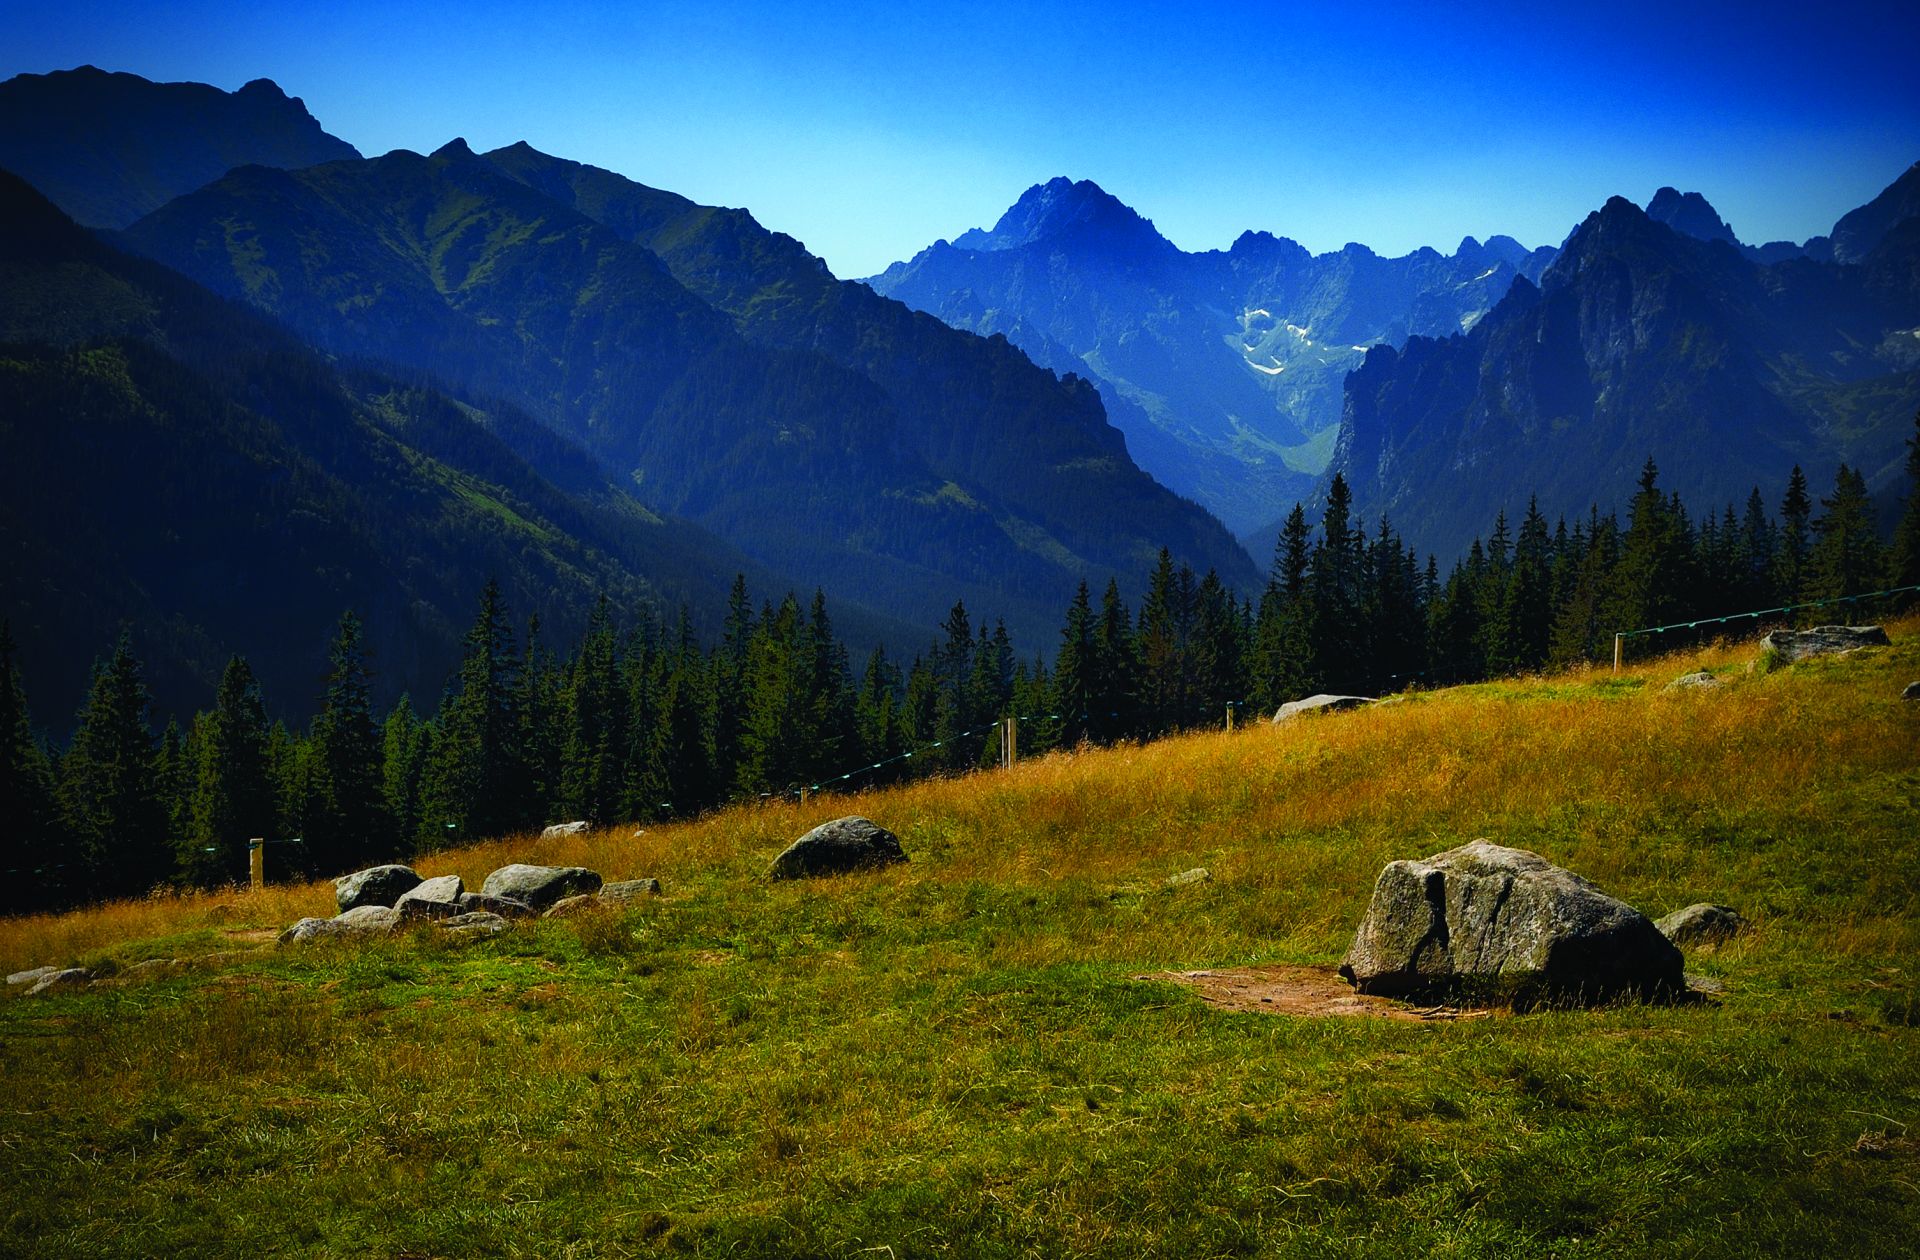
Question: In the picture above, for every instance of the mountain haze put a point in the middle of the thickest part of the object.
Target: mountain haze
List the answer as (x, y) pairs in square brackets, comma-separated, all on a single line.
[(837, 438), (1223, 368)]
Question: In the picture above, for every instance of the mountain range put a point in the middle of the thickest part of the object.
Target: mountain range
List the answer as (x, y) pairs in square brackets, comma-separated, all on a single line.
[(1447, 387), (1648, 338), (713, 374), (1224, 368)]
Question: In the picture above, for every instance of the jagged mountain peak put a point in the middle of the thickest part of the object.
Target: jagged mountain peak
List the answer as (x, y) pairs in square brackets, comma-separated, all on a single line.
[(1065, 211), (1690, 213), (454, 149)]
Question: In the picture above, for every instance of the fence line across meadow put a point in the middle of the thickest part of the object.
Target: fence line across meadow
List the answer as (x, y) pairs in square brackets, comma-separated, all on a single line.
[(1621, 636)]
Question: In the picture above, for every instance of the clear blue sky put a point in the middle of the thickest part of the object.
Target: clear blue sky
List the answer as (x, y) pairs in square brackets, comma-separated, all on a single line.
[(869, 130)]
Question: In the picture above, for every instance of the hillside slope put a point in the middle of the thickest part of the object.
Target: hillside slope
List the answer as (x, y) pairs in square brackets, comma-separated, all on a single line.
[(956, 1056), (180, 463)]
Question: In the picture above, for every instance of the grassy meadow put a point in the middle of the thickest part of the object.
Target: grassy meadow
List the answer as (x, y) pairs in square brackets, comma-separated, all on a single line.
[(952, 1058)]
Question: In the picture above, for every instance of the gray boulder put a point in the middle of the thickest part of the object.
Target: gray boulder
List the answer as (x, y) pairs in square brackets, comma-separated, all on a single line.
[(506, 907), (1701, 681), (838, 848), (359, 921), (1789, 646), (1702, 924), (540, 886), (1198, 875), (375, 886), (61, 978), (436, 898), (1912, 692), (1487, 922), (579, 828), (33, 975), (1320, 704), (630, 890)]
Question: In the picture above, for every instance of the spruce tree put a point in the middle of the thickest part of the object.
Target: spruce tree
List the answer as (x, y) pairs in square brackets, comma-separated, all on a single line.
[(1115, 712), (347, 823), (29, 840), (1790, 555), (108, 789), (406, 745), (233, 799), (475, 781), (1847, 558), (1075, 674)]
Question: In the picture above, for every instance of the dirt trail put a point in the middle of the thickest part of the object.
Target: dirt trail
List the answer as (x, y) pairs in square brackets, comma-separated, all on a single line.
[(1308, 992)]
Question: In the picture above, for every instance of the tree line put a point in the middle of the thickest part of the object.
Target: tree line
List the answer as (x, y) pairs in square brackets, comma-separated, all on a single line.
[(639, 721)]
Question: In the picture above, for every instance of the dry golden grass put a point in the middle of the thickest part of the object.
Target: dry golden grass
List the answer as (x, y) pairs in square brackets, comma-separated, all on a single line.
[(1572, 764)]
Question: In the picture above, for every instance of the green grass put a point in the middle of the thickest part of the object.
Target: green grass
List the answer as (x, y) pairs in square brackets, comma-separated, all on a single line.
[(952, 1058)]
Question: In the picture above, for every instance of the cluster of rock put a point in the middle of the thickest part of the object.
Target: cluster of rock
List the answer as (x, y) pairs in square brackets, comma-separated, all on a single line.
[(381, 898), (1489, 923)]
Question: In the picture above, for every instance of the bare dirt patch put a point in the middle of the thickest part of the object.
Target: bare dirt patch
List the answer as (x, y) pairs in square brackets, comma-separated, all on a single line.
[(1304, 992)]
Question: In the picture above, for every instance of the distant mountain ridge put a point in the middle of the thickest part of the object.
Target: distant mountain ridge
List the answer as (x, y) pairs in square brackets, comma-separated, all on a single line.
[(1642, 339), (1224, 368), (109, 148)]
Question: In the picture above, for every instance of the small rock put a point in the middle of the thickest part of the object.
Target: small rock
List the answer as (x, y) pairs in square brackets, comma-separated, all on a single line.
[(475, 925), (629, 889), (442, 890), (1789, 646), (1702, 681), (567, 907), (1320, 704), (375, 886), (578, 828), (1494, 922), (61, 978), (540, 886), (1702, 924), (31, 976), (641, 832), (1198, 875), (508, 907), (1912, 692), (837, 848)]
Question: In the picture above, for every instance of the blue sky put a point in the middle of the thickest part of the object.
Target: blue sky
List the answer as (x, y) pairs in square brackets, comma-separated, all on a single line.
[(869, 130)]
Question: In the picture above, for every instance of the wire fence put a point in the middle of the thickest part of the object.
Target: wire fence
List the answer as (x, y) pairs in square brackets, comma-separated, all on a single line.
[(1621, 636)]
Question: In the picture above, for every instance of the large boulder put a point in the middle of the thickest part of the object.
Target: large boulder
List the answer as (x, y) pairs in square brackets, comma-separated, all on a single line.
[(1702, 924), (1699, 681), (630, 890), (1320, 704), (375, 886), (837, 848), (540, 886), (436, 898), (1912, 692), (32, 975), (577, 828), (1491, 923), (1788, 646)]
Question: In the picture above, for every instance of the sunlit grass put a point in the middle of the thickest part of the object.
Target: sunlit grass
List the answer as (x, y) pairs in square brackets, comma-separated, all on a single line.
[(950, 1057)]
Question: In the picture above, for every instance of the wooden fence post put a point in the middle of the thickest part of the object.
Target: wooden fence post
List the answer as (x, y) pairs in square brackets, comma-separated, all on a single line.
[(1618, 639), (257, 862)]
